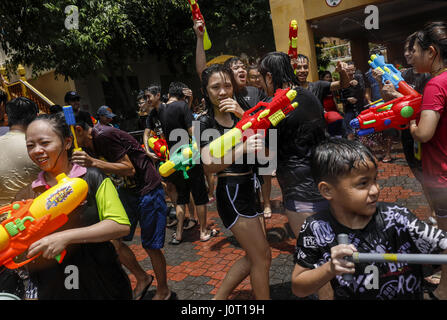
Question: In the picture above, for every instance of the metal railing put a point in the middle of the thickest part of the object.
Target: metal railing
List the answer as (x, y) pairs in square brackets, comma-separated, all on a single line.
[(22, 88)]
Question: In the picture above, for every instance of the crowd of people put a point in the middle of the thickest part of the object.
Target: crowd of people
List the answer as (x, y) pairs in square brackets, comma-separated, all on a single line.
[(326, 172)]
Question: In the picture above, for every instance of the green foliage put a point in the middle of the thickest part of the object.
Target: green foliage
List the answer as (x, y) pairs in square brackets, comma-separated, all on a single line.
[(113, 33)]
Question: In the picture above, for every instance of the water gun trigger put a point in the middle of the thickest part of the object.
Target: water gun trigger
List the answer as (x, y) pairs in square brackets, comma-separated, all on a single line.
[(14, 265)]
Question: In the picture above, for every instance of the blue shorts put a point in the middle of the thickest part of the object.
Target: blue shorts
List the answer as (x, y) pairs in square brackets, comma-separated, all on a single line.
[(150, 210)]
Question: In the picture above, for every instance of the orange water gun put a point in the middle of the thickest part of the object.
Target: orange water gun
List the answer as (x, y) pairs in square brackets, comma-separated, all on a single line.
[(30, 220), (197, 15), (293, 39), (160, 147)]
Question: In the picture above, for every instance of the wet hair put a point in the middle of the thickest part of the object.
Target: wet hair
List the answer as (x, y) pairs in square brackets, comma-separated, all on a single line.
[(322, 74), (21, 111), (252, 67), (335, 158), (153, 89), (176, 89), (233, 60), (302, 56), (375, 51), (140, 95), (58, 125), (55, 108), (278, 64), (434, 34), (206, 75), (164, 98)]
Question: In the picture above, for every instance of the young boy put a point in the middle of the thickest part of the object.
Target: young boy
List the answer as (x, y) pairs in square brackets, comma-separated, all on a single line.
[(346, 174)]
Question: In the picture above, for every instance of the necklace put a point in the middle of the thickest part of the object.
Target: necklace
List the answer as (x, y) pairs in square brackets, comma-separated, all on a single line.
[(439, 72)]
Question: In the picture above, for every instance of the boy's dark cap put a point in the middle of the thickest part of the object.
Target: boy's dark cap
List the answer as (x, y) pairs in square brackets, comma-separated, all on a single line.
[(71, 95)]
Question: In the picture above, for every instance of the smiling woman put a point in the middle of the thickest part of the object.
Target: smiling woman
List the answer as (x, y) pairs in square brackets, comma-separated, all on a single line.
[(86, 235), (237, 192)]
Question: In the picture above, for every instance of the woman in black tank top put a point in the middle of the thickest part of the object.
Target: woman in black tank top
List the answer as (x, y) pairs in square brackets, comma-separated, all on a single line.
[(237, 188)]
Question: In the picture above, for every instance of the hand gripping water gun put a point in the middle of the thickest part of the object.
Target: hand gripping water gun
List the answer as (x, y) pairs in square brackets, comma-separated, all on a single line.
[(270, 114), (71, 121), (160, 147), (197, 15), (391, 73), (410, 258), (293, 39), (30, 220), (184, 158)]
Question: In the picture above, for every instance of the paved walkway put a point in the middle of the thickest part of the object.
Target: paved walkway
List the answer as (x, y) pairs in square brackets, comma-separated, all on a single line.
[(196, 269)]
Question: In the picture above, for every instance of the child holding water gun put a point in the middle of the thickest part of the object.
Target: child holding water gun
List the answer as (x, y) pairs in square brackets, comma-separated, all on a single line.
[(86, 235), (237, 199)]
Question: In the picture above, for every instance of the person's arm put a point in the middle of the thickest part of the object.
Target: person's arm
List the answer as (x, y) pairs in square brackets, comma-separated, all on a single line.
[(200, 51), (211, 165), (55, 243), (122, 167), (426, 128), (368, 96), (307, 281), (344, 77), (146, 135)]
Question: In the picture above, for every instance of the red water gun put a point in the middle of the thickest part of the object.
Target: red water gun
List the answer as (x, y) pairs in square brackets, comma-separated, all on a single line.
[(396, 113), (30, 220), (381, 115), (293, 39), (197, 15), (160, 147), (270, 113)]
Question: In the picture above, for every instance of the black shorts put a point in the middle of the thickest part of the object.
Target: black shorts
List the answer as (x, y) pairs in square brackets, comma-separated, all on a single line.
[(195, 184), (237, 196)]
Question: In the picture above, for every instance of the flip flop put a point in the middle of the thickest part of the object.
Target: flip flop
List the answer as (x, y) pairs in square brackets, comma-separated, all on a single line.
[(212, 234), (186, 225), (171, 222), (144, 291)]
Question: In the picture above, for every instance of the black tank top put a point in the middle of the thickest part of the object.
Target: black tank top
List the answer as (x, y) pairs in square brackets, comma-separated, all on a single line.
[(207, 122)]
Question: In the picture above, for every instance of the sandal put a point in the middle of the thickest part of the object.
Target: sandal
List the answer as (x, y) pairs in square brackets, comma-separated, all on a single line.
[(171, 222), (186, 224), (212, 234), (432, 296), (144, 291)]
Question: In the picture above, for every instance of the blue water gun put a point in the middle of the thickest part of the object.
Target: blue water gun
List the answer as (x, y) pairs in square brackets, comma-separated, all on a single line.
[(392, 74)]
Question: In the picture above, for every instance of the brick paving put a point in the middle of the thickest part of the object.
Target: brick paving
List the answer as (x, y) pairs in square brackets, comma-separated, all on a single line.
[(196, 269)]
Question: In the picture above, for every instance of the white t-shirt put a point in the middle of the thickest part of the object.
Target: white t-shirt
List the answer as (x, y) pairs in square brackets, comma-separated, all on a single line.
[(16, 168)]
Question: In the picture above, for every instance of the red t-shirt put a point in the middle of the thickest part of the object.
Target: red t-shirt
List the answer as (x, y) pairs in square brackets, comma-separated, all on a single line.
[(434, 152), (329, 103)]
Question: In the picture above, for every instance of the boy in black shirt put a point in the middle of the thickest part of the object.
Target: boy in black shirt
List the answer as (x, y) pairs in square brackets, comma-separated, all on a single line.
[(346, 173), (176, 120)]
